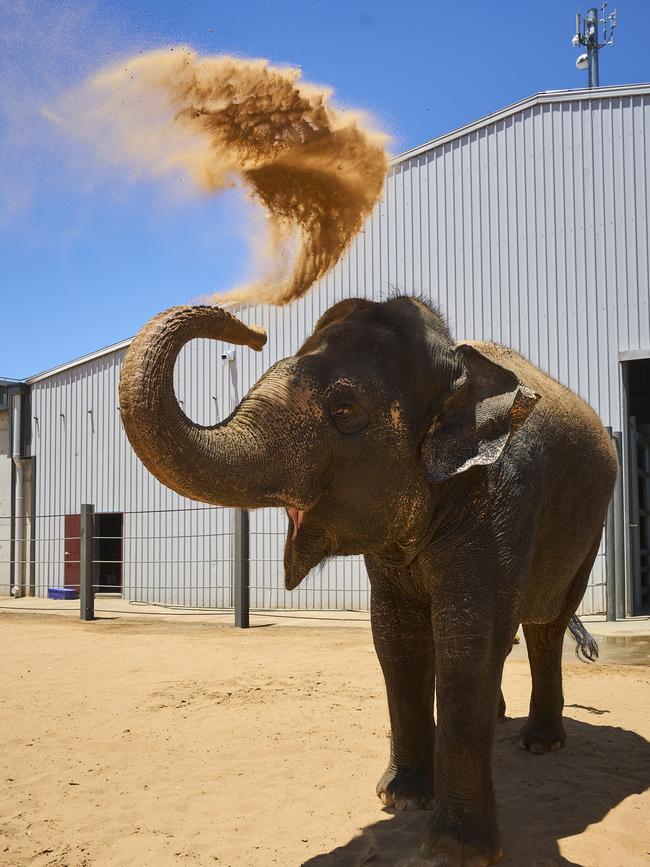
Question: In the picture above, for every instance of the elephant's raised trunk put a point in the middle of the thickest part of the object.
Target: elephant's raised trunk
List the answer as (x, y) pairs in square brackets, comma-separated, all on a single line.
[(232, 463)]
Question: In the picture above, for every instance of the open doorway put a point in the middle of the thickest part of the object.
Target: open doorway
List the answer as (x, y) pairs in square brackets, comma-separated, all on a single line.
[(108, 552), (637, 382)]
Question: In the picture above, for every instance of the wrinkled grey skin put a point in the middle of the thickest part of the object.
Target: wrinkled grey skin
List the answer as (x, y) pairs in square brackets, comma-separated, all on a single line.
[(475, 486)]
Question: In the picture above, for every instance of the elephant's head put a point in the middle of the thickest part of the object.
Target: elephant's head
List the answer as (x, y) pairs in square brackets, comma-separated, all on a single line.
[(351, 435)]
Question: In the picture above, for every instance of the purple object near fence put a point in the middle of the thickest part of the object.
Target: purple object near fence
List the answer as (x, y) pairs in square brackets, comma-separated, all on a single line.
[(62, 593)]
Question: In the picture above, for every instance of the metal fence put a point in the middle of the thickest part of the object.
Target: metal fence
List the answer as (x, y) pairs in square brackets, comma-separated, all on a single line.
[(215, 558), (199, 557)]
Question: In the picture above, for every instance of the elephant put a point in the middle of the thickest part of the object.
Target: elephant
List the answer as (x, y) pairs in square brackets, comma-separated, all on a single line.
[(474, 485)]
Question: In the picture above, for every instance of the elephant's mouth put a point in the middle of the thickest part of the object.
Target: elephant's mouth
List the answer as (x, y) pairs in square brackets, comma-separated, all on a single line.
[(309, 538), (297, 516), (306, 545)]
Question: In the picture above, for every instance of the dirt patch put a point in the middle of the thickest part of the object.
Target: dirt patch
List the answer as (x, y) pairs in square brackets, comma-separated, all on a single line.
[(157, 743)]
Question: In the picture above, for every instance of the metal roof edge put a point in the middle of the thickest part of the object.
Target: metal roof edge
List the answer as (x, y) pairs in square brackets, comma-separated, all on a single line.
[(107, 350), (542, 98), (634, 355)]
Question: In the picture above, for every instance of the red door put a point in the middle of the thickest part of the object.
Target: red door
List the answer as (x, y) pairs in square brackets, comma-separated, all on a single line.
[(72, 557)]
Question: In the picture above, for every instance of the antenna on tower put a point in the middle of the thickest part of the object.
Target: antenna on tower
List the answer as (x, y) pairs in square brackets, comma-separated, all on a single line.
[(587, 34)]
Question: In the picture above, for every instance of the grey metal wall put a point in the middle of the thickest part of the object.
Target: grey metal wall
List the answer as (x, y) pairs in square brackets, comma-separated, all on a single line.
[(529, 228)]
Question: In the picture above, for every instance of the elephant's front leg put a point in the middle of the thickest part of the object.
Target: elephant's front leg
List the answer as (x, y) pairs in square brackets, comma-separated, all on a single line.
[(469, 662), (402, 633)]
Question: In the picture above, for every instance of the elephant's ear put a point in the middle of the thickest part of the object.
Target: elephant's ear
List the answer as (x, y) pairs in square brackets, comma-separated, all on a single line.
[(487, 405)]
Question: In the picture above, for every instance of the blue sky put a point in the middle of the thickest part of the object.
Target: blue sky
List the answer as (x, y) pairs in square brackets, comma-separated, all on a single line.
[(86, 258)]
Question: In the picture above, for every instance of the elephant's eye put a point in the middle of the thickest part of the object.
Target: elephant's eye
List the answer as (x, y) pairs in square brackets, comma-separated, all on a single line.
[(349, 417)]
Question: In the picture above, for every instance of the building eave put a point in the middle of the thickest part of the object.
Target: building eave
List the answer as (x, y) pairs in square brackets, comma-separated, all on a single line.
[(76, 362), (544, 98)]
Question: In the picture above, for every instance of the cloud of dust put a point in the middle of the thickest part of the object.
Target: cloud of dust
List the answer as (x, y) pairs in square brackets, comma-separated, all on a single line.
[(43, 47), (215, 122)]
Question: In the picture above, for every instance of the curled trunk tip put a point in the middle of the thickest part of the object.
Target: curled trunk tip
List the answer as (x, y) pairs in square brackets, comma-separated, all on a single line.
[(196, 461)]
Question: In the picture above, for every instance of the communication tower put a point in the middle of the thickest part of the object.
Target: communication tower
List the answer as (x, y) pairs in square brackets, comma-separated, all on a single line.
[(587, 35)]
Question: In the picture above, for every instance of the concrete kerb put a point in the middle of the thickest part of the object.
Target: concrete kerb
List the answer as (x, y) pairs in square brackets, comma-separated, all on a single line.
[(113, 607), (624, 642), (631, 626)]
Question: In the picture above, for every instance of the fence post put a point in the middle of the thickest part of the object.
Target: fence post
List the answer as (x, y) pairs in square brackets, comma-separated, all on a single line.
[(87, 564), (619, 537), (242, 569)]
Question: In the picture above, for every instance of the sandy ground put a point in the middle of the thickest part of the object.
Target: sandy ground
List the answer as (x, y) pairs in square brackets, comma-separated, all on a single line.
[(154, 743)]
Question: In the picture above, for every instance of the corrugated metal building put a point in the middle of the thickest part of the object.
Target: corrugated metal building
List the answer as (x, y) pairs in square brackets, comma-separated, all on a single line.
[(529, 227)]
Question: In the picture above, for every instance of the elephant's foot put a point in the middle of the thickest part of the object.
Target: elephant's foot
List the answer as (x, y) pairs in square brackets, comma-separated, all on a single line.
[(406, 790), (445, 849), (541, 737)]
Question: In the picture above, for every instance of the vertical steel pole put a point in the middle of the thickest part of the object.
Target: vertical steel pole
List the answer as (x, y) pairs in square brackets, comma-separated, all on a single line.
[(610, 557), (242, 569), (633, 563), (592, 47), (18, 505), (619, 532), (87, 564)]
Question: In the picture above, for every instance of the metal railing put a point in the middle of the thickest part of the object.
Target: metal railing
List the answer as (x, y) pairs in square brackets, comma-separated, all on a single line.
[(199, 557), (209, 558)]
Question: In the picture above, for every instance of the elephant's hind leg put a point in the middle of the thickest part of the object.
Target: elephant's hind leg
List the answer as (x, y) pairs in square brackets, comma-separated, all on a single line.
[(403, 637), (543, 731)]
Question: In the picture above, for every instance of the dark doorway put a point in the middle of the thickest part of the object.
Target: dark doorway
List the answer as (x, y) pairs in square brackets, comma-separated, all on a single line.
[(638, 401), (108, 552)]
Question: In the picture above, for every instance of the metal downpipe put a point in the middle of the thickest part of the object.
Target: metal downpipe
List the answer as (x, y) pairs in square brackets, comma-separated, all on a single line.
[(19, 500)]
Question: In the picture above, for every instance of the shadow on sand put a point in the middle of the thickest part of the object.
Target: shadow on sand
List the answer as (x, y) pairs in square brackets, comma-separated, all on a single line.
[(541, 799)]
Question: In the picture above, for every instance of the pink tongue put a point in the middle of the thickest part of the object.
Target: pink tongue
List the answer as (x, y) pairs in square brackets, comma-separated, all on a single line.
[(296, 516)]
